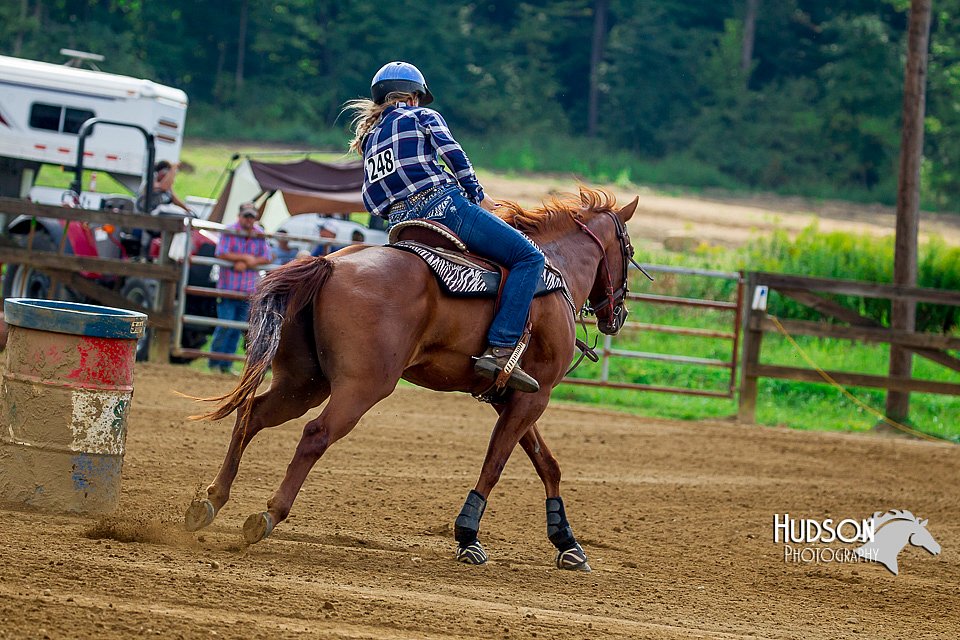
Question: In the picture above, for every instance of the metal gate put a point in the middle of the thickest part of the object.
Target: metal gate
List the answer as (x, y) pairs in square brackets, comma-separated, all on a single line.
[(731, 334)]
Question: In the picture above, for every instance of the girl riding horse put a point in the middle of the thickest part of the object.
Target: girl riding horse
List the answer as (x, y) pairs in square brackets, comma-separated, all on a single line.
[(334, 328), (401, 142)]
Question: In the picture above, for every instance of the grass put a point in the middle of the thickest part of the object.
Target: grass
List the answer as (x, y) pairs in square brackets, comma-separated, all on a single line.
[(801, 405), (204, 177)]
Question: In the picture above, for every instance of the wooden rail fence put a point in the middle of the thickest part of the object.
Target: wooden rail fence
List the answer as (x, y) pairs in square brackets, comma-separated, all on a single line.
[(67, 269), (807, 291)]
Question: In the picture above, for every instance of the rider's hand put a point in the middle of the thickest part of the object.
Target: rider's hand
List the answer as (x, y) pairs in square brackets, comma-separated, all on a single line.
[(240, 265), (489, 204)]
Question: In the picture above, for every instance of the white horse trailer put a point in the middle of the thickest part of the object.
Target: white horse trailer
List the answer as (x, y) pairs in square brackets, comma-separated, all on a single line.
[(42, 107)]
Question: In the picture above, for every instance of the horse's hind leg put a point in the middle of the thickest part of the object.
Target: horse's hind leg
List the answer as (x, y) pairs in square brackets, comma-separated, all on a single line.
[(569, 553), (288, 398), (347, 405)]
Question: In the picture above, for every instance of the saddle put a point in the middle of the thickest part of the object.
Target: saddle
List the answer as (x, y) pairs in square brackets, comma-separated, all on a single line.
[(459, 272)]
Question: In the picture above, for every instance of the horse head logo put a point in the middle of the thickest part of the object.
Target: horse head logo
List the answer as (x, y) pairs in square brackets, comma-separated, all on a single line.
[(892, 531)]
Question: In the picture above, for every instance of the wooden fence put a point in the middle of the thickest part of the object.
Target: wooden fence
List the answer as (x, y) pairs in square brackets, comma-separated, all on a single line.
[(67, 269), (807, 291)]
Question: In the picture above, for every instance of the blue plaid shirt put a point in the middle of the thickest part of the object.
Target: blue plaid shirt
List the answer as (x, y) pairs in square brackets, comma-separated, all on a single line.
[(400, 158)]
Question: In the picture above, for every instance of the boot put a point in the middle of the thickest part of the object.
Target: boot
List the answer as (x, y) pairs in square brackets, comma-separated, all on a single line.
[(494, 359)]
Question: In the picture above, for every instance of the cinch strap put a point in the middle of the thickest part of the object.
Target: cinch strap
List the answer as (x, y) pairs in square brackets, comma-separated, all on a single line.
[(468, 522), (558, 529)]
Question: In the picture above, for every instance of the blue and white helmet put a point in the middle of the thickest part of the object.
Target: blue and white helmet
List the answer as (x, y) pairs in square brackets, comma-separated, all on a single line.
[(399, 76)]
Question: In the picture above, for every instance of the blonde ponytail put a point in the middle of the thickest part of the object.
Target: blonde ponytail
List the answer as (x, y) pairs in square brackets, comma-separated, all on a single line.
[(367, 113)]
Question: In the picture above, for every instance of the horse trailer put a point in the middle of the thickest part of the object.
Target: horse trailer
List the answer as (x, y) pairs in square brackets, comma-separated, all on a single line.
[(43, 106)]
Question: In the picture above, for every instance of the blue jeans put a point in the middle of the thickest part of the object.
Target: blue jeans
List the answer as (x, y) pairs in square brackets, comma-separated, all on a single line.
[(225, 340), (487, 235)]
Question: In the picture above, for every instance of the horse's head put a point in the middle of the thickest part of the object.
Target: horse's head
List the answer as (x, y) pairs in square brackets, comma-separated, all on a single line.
[(609, 292), (892, 531), (920, 537)]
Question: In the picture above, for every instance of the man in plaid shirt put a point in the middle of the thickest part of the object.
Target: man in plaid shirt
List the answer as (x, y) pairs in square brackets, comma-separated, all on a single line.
[(247, 254)]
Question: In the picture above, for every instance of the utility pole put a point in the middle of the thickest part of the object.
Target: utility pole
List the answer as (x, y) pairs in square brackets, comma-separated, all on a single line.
[(904, 313)]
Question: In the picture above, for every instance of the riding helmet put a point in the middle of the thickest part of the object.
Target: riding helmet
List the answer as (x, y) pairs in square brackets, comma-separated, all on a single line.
[(399, 76)]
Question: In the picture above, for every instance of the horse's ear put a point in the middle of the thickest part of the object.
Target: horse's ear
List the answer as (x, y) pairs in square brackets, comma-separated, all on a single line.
[(584, 196), (627, 212), (924, 523)]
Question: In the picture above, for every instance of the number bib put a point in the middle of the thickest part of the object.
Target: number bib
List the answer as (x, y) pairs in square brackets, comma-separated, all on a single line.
[(380, 165)]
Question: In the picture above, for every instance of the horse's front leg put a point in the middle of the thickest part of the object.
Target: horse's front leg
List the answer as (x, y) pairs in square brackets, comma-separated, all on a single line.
[(570, 554), (515, 419)]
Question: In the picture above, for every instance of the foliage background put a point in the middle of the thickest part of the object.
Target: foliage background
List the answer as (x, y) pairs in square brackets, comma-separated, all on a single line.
[(813, 108)]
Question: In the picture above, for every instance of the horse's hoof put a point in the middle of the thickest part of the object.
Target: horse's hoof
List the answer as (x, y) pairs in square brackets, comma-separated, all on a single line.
[(473, 553), (257, 527), (199, 514), (573, 559)]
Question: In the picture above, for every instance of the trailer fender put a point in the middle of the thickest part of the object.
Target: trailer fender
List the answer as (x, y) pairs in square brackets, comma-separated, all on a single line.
[(21, 226)]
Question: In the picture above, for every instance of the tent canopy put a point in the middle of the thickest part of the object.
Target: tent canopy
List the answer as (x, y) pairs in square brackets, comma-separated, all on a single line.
[(283, 189)]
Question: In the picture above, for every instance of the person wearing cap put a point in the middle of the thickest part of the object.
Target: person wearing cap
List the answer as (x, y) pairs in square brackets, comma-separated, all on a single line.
[(242, 244), (402, 143), (327, 230)]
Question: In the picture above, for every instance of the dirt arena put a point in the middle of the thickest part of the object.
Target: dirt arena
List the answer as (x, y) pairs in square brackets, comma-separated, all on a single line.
[(675, 516)]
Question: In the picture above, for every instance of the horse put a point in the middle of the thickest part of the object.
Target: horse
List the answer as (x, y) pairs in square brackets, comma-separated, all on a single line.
[(892, 531), (347, 327)]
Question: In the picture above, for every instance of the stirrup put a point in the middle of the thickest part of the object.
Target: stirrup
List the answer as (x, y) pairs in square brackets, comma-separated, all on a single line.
[(501, 365)]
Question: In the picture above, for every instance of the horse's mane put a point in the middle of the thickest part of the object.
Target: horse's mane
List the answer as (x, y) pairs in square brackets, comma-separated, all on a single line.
[(558, 212), (880, 519)]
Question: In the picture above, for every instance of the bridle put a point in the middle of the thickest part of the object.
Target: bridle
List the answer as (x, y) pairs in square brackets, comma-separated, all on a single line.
[(614, 298)]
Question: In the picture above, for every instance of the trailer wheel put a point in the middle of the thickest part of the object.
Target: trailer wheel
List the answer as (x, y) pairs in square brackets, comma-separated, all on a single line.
[(21, 281)]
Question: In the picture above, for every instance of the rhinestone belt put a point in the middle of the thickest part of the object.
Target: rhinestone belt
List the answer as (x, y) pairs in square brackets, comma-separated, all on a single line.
[(416, 200)]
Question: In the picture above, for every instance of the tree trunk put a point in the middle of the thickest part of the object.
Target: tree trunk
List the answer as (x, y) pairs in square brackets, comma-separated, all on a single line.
[(21, 28), (219, 81), (904, 313), (241, 44), (600, 11), (749, 33)]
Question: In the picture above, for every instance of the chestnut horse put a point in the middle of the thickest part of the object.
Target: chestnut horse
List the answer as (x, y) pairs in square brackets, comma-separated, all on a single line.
[(349, 326)]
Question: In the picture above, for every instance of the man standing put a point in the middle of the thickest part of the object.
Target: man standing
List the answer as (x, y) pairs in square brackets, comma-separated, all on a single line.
[(247, 252)]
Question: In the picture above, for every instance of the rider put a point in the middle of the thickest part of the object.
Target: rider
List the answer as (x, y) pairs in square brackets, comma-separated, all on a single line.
[(400, 141)]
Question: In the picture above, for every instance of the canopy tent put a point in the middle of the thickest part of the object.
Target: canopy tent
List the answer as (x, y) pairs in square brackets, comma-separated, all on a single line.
[(284, 189)]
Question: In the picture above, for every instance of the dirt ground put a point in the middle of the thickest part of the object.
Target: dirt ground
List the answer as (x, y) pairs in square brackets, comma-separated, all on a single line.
[(675, 516), (729, 221)]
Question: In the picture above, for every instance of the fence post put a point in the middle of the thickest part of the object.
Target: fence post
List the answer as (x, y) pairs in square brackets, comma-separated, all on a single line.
[(751, 355), (162, 342)]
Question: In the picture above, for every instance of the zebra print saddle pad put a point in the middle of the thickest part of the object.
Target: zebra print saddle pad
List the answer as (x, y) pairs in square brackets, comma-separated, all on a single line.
[(464, 276)]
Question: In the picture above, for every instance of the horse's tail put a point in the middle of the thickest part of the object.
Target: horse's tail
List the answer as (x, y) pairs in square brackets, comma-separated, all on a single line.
[(282, 294)]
